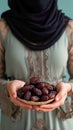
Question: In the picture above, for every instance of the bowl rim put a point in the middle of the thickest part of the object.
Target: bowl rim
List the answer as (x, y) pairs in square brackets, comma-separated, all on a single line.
[(35, 103)]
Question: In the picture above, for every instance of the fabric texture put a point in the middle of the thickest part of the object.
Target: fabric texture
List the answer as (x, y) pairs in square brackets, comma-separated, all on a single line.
[(42, 22), (22, 63)]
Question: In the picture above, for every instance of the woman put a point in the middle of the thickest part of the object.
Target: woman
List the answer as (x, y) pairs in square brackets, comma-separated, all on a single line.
[(36, 39)]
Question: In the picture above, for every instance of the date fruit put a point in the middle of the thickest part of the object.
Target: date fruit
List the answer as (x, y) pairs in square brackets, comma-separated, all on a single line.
[(35, 98), (27, 95), (45, 91), (35, 80), (20, 93), (27, 88), (52, 94), (37, 91), (44, 98)]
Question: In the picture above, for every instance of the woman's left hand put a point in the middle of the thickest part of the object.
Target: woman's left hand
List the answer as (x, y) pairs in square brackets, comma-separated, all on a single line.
[(63, 89)]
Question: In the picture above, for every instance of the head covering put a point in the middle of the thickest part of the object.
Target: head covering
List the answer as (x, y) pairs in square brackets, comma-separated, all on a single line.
[(38, 24)]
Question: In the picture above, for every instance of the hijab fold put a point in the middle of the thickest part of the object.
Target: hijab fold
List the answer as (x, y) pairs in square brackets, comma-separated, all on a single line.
[(38, 24)]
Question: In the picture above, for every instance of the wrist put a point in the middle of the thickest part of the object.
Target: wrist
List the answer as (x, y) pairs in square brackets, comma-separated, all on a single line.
[(67, 85), (69, 88)]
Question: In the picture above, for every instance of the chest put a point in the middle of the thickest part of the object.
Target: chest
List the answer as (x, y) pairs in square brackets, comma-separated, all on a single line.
[(22, 61)]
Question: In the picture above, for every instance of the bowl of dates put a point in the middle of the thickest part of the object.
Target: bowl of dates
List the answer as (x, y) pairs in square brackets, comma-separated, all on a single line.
[(37, 92)]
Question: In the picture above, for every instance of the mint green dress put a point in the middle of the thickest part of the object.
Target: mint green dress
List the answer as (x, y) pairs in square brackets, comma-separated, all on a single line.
[(23, 63)]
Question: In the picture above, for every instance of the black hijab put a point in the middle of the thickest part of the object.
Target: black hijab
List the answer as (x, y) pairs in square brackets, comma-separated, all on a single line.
[(38, 24)]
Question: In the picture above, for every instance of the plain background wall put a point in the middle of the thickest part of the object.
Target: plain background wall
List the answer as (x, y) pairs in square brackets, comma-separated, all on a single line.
[(65, 5)]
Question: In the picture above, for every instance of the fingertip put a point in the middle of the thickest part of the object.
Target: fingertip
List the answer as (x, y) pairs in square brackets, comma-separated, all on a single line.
[(57, 98), (14, 95), (30, 108)]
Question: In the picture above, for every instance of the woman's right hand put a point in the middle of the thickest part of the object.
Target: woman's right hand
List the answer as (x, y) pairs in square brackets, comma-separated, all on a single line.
[(12, 88)]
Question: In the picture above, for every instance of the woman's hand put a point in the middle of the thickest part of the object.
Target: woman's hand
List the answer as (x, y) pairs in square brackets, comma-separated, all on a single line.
[(63, 89), (12, 88)]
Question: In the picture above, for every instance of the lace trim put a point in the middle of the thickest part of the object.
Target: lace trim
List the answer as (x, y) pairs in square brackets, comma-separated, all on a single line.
[(2, 62)]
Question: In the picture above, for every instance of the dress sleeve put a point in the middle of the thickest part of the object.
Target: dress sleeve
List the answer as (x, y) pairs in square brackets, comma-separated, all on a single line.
[(70, 52), (7, 107), (66, 111)]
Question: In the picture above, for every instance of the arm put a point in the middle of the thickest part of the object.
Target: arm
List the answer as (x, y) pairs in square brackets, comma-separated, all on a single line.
[(64, 88), (70, 49), (5, 104), (66, 111), (9, 102)]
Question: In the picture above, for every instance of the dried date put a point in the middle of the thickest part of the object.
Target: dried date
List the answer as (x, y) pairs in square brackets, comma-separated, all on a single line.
[(52, 94), (45, 91), (20, 93), (27, 88), (37, 91), (27, 95), (49, 87), (44, 98), (35, 98), (41, 85), (35, 80)]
